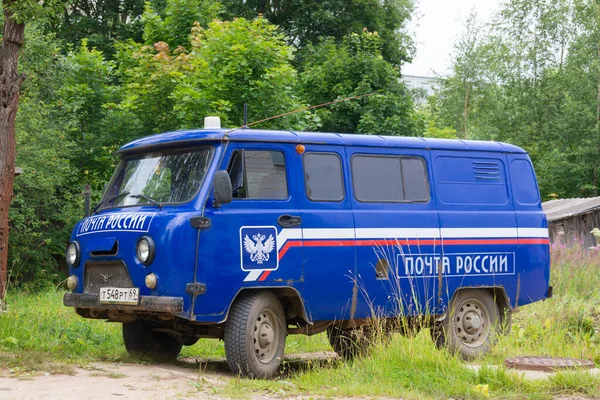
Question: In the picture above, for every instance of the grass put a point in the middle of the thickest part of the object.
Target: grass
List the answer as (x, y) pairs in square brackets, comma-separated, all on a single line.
[(38, 333)]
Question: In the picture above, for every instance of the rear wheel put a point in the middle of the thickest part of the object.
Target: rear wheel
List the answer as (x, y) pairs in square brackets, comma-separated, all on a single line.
[(255, 334), (140, 338), (472, 324)]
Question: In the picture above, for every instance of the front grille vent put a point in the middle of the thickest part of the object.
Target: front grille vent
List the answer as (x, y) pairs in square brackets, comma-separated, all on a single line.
[(112, 252)]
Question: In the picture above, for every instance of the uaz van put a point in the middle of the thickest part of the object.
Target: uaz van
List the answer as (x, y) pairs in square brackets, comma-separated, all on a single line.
[(251, 235)]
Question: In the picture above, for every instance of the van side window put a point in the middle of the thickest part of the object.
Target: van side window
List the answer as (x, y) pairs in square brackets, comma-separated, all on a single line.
[(258, 175), (389, 179), (414, 177), (523, 182), (323, 179)]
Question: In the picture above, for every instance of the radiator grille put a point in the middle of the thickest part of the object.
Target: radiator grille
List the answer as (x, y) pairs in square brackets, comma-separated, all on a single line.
[(105, 273)]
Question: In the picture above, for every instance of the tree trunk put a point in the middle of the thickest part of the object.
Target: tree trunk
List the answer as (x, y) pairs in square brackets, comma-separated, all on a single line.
[(595, 177), (10, 83)]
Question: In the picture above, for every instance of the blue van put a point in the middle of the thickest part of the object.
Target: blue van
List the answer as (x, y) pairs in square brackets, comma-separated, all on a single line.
[(251, 235)]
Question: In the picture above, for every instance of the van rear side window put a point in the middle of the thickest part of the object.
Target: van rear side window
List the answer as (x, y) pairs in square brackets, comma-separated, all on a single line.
[(258, 175), (323, 178), (389, 179), (523, 182)]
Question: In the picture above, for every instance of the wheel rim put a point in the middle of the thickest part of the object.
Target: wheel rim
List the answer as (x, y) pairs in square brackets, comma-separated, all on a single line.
[(266, 334), (471, 323)]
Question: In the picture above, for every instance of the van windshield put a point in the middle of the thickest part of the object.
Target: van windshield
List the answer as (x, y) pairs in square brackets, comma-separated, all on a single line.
[(157, 178)]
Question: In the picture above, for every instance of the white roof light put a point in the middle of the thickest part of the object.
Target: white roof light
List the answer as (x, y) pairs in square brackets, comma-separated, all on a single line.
[(212, 123)]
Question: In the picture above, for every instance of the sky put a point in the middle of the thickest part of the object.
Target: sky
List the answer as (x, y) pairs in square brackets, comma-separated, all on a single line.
[(435, 27)]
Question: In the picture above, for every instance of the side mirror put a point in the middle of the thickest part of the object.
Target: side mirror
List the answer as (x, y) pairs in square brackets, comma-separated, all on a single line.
[(223, 191)]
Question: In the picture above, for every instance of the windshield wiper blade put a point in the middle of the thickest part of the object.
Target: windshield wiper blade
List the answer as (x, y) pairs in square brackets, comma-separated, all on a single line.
[(115, 197), (150, 199)]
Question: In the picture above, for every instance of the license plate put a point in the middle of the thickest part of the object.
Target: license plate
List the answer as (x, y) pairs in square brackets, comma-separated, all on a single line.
[(114, 295)]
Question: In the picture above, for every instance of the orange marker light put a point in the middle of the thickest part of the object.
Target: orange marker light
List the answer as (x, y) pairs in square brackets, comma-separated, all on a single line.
[(300, 149)]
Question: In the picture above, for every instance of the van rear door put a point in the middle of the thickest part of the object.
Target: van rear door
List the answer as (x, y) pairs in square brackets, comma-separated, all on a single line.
[(534, 248)]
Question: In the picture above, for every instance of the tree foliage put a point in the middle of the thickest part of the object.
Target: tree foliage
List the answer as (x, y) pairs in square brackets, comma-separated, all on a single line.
[(533, 80), (353, 68), (309, 21), (104, 73), (229, 64), (101, 23), (174, 24)]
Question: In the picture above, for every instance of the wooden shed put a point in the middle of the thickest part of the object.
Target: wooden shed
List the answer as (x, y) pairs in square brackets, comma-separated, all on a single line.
[(570, 221)]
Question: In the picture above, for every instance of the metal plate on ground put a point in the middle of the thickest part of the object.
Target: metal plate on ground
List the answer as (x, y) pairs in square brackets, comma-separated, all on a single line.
[(548, 364)]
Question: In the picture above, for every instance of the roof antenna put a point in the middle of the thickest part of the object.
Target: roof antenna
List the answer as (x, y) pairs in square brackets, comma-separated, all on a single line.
[(245, 115)]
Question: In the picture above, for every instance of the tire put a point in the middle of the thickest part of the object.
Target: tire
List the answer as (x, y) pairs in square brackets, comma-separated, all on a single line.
[(437, 334), (255, 334), (141, 340), (349, 343), (472, 324)]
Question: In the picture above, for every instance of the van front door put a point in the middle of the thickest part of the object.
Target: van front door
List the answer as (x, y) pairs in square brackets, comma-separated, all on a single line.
[(251, 241)]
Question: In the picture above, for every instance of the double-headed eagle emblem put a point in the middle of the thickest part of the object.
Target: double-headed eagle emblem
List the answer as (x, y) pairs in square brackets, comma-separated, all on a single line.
[(259, 251)]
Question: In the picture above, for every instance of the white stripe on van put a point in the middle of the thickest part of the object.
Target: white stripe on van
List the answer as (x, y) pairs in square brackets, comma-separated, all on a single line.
[(407, 233), (253, 275), (287, 234), (452, 233), (327, 233), (397, 233), (533, 232)]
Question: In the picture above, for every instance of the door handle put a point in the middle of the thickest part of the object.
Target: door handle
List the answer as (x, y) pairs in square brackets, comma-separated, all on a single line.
[(287, 221)]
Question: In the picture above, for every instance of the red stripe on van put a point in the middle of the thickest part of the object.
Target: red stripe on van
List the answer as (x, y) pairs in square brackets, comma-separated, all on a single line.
[(479, 241), (264, 276), (411, 242), (290, 243), (534, 241), (397, 242)]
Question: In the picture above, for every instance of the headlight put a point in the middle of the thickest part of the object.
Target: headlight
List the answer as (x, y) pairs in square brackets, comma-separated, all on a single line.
[(145, 250), (72, 254)]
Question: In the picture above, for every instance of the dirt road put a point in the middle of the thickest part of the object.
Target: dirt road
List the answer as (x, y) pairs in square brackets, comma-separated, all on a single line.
[(188, 378)]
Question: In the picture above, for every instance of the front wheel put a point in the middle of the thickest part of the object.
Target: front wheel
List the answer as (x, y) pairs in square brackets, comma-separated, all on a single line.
[(472, 324), (255, 334), (140, 338)]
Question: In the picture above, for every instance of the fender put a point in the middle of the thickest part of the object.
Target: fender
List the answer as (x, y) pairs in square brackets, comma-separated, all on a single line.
[(295, 302), (500, 297)]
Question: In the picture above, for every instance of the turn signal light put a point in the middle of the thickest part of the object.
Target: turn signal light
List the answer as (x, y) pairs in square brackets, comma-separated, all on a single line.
[(151, 281), (72, 282)]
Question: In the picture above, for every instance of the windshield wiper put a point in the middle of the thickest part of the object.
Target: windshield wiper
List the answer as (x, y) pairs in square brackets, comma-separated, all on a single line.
[(118, 196), (150, 199)]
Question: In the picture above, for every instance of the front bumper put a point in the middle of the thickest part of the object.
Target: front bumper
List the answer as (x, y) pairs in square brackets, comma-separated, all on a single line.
[(173, 305)]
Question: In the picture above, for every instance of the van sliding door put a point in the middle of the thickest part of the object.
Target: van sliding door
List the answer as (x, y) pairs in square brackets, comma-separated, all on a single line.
[(328, 234), (397, 232)]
